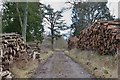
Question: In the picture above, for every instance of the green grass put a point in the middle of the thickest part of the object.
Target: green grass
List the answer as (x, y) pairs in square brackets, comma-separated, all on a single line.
[(98, 65)]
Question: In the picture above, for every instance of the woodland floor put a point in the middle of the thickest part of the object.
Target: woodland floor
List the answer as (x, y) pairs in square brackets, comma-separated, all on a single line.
[(60, 66)]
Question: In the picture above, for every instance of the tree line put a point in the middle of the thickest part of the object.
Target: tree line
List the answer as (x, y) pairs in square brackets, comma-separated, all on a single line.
[(27, 18)]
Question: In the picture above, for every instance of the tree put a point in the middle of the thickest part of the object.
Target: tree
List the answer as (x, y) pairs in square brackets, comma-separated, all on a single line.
[(10, 20), (86, 13), (53, 19), (35, 19), (25, 21), (14, 19)]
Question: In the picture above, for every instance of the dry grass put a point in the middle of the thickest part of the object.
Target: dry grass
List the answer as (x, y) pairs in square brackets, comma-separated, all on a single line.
[(25, 70), (60, 44), (99, 65), (45, 56)]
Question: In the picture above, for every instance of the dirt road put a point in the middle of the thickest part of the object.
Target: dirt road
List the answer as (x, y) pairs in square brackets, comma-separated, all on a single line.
[(61, 66)]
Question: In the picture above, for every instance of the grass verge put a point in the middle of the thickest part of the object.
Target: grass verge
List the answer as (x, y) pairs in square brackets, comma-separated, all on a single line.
[(101, 66), (25, 70)]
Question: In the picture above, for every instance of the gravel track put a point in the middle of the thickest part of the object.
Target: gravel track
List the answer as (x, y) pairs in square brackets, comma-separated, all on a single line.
[(61, 66)]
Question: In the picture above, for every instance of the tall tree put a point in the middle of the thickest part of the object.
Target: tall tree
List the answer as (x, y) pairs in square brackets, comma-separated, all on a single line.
[(35, 19), (55, 22), (14, 19), (85, 13), (25, 20), (10, 20)]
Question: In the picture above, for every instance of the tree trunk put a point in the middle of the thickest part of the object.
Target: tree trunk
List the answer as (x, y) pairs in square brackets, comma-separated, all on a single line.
[(25, 21), (52, 33), (21, 24), (0, 23)]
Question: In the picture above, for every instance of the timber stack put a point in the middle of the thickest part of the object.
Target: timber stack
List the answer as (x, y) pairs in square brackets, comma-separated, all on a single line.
[(34, 50), (72, 42), (13, 48), (102, 36)]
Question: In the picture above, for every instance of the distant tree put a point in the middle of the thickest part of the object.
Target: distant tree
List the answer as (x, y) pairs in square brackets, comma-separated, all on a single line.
[(55, 22), (117, 19), (85, 13)]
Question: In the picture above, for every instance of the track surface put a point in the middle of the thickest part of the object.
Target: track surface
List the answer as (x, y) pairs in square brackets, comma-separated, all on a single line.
[(61, 66)]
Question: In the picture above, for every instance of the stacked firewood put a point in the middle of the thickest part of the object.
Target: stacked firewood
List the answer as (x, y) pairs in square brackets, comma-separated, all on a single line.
[(34, 50), (72, 42), (102, 36), (13, 48)]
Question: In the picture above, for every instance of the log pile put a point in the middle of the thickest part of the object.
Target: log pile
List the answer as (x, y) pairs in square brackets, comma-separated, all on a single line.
[(34, 50), (72, 42), (13, 48), (102, 36)]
